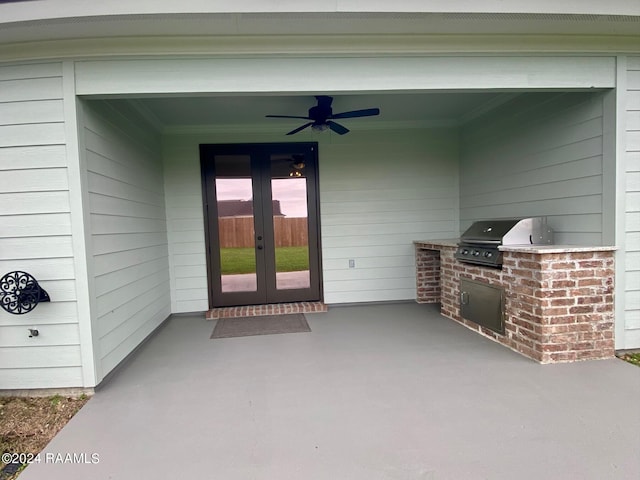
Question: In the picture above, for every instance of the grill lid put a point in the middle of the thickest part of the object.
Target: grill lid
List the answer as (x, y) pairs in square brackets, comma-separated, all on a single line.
[(533, 231), (488, 231)]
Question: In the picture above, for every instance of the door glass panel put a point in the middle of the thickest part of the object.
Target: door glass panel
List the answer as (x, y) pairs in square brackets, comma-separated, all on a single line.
[(236, 231), (290, 222)]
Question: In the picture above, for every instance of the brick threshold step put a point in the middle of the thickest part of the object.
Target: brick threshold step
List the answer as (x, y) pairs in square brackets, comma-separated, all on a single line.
[(270, 309)]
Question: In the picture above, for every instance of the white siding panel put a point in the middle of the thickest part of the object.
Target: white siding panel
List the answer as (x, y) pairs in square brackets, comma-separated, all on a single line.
[(130, 291), (61, 290), (110, 187), (32, 134), (192, 293), (34, 180), (633, 221), (123, 313), (40, 357), (34, 70), (128, 340), (50, 377), (111, 243), (121, 207), (35, 247), (632, 245), (50, 224), (50, 336), (633, 140), (189, 271), (128, 230), (42, 268), (407, 260), (371, 211), (43, 111), (633, 119), (189, 306), (55, 312), (25, 90), (538, 155), (633, 98), (112, 280), (106, 224), (180, 248), (114, 261), (46, 156), (35, 228), (25, 203), (190, 283)]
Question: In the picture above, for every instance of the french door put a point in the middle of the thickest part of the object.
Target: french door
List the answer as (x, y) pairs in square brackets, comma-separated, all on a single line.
[(261, 216)]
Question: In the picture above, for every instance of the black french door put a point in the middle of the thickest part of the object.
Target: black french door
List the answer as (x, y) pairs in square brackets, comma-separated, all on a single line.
[(261, 223)]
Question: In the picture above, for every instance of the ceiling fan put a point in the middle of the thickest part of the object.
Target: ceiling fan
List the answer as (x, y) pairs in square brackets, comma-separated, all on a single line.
[(322, 116)]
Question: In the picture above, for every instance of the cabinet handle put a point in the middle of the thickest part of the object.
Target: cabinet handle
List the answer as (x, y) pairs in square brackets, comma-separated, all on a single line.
[(464, 298)]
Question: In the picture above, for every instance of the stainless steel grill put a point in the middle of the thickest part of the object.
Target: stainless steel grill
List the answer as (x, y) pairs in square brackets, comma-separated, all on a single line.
[(479, 243)]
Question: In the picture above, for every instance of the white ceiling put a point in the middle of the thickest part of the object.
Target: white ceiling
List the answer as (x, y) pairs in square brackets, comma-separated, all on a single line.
[(233, 111)]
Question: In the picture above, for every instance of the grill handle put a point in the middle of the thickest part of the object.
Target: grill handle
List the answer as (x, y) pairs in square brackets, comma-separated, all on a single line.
[(464, 298), (470, 241)]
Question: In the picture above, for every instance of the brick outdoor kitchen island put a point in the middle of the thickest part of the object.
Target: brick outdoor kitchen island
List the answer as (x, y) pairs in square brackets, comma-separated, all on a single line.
[(558, 300)]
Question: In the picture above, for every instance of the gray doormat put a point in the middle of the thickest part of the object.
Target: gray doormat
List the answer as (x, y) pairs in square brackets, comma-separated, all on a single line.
[(262, 325)]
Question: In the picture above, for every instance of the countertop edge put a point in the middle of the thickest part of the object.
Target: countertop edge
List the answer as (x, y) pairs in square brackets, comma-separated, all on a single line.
[(447, 242), (556, 248)]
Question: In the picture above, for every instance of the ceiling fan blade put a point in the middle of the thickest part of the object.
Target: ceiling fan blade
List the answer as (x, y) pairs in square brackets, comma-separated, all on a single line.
[(288, 116), (367, 112), (336, 127), (300, 128)]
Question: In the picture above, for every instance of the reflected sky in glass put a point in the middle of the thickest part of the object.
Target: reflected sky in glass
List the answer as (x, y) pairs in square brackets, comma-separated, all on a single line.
[(287, 192)]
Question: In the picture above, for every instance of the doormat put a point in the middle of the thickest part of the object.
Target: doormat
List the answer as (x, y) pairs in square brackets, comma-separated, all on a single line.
[(263, 325)]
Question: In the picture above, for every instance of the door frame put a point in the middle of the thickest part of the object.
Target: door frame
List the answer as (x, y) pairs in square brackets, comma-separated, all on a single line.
[(210, 211)]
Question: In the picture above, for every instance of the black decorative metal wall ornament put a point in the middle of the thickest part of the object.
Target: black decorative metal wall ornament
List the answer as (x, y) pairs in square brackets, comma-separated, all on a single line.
[(20, 293)]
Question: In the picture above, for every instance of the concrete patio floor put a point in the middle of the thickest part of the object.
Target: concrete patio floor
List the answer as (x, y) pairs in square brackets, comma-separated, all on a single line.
[(373, 392)]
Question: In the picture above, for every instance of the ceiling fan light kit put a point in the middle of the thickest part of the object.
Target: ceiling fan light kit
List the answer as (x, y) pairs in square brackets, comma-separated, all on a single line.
[(321, 117)]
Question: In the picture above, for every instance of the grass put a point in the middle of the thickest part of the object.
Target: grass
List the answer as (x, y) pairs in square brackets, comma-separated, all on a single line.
[(633, 358), (242, 260), (27, 424)]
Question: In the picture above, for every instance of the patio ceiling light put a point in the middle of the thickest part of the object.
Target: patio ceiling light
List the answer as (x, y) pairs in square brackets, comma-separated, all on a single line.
[(297, 168)]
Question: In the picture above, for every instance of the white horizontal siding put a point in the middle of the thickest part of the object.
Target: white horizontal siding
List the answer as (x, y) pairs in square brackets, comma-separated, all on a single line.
[(47, 224), (55, 377), (185, 222), (632, 202), (53, 335), (128, 231), (539, 155), (43, 111), (40, 357), (41, 156), (35, 228), (378, 193)]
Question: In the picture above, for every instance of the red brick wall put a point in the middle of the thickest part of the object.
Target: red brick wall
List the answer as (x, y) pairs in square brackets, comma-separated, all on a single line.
[(427, 276), (558, 306)]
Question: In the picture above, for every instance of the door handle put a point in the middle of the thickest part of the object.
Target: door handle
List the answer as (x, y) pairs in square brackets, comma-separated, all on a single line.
[(260, 247), (259, 237)]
